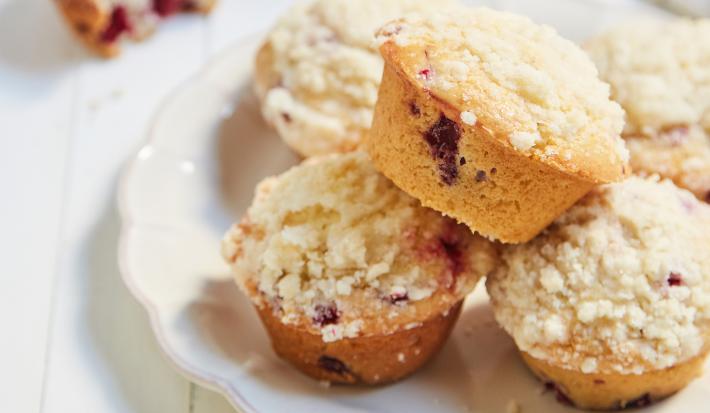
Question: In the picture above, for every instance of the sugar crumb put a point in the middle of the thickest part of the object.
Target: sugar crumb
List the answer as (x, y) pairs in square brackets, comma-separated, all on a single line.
[(468, 118), (524, 141)]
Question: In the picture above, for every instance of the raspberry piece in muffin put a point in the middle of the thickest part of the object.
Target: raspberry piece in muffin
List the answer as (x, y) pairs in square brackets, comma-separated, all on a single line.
[(443, 139), (492, 91), (102, 24), (318, 71), (658, 71), (612, 302), (347, 271)]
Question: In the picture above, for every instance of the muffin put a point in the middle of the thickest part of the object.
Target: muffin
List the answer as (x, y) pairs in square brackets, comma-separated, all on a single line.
[(318, 71), (659, 73), (492, 120), (353, 279), (611, 304), (102, 24)]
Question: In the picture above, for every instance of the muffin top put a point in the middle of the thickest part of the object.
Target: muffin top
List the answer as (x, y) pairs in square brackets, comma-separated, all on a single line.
[(335, 247), (532, 90), (658, 71), (618, 284), (325, 70)]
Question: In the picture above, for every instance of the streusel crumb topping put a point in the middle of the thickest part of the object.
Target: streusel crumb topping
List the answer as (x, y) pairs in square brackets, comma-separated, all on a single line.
[(330, 72), (522, 80), (618, 284), (335, 245), (658, 71)]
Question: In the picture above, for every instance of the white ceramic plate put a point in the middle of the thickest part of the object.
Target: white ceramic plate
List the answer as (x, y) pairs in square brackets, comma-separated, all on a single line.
[(207, 149)]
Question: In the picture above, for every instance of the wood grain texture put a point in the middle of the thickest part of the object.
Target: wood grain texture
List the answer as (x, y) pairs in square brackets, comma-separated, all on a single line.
[(68, 122), (100, 339), (33, 159)]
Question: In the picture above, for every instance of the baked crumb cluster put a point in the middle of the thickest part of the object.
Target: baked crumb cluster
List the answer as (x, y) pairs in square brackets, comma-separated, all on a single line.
[(618, 284), (329, 71), (539, 90), (658, 71), (335, 246)]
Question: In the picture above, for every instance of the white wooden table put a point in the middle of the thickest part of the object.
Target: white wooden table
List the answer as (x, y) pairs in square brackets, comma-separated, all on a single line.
[(73, 339)]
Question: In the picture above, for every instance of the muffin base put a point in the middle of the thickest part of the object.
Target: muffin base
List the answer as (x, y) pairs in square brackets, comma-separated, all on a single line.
[(371, 359), (87, 21), (615, 391), (498, 191)]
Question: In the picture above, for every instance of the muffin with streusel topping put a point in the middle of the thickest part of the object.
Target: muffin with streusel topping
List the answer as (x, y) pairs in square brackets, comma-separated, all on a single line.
[(658, 71), (354, 280), (102, 25), (318, 71), (493, 120), (611, 304)]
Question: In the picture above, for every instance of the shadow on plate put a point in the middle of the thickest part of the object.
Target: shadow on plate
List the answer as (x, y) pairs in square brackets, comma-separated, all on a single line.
[(499, 376), (247, 151)]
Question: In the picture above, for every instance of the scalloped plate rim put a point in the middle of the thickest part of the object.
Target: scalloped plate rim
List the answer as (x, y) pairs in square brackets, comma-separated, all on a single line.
[(190, 372)]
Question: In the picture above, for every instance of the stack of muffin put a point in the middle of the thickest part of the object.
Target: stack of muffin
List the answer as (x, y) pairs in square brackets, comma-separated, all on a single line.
[(447, 144)]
